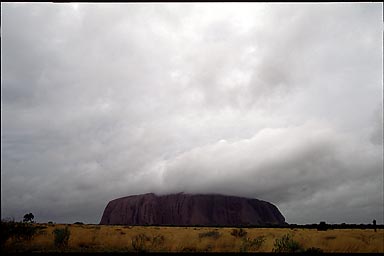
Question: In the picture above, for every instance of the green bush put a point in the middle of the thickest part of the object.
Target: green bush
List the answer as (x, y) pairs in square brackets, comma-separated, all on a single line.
[(61, 237), (286, 244)]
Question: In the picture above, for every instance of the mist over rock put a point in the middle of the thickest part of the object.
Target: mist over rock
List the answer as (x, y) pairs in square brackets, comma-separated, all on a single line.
[(189, 209)]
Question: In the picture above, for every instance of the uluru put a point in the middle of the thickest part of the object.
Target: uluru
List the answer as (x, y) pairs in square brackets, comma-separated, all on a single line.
[(191, 209)]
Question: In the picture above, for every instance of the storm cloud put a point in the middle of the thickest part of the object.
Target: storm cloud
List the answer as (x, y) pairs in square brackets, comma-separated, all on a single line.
[(281, 102)]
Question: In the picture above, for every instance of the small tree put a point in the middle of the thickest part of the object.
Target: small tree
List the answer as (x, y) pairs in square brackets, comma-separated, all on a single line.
[(322, 226), (28, 218)]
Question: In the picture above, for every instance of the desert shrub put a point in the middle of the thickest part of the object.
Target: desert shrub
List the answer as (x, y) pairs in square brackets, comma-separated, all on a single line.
[(208, 248), (144, 243), (313, 250), (18, 230), (366, 238), (252, 244), (7, 230), (139, 242), (27, 231), (61, 237), (211, 234), (24, 231), (286, 244), (239, 233), (84, 245), (189, 249), (42, 231), (157, 240)]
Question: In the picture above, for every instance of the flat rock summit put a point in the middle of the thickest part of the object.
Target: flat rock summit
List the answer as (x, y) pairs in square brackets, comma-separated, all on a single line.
[(188, 209)]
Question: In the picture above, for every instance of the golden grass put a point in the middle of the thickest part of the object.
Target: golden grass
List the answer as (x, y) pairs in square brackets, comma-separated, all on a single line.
[(96, 238)]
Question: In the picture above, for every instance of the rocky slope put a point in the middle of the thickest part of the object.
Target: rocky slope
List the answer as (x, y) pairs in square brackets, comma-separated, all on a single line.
[(186, 209)]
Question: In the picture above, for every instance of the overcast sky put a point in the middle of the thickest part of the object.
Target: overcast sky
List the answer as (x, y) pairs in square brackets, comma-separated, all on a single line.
[(280, 102)]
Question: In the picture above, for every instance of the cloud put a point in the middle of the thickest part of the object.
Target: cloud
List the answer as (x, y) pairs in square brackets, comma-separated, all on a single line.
[(287, 166), (279, 102), (377, 129)]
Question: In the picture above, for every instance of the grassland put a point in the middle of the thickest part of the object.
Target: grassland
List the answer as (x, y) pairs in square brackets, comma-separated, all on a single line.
[(97, 238)]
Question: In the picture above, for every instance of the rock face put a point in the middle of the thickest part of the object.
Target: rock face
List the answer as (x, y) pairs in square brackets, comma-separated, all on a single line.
[(185, 209)]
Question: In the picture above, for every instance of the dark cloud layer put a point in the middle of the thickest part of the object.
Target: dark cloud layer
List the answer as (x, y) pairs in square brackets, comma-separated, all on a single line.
[(280, 102)]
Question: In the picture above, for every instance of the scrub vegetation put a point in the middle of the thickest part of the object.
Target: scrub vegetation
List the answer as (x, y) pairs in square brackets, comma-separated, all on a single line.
[(103, 238)]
